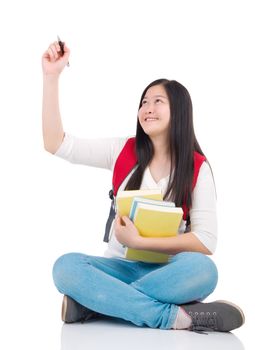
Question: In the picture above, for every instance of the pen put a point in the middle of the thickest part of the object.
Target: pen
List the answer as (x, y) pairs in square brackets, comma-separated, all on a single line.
[(61, 44)]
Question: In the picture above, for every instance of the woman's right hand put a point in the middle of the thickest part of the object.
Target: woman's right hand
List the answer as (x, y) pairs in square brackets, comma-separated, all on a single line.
[(52, 61)]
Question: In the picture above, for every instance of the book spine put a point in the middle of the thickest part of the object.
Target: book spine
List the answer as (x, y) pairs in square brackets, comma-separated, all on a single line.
[(132, 210)]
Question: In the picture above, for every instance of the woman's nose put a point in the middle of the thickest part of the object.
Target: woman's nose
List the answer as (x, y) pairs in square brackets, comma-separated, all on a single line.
[(149, 108)]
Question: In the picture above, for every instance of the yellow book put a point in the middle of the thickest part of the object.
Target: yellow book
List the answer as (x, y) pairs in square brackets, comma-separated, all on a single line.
[(124, 199), (153, 218)]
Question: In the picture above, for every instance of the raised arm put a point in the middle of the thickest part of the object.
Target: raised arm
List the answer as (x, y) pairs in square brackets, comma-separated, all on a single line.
[(52, 65)]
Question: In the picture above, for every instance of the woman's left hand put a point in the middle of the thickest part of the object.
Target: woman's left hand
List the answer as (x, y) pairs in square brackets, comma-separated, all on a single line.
[(126, 232)]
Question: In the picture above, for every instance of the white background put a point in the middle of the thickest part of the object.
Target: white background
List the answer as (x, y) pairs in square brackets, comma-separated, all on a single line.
[(117, 48)]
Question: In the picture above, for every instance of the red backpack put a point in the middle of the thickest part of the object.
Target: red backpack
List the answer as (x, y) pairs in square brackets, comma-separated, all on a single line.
[(124, 164)]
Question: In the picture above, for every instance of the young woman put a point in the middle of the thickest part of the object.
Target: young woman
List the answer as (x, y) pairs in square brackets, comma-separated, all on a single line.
[(161, 296)]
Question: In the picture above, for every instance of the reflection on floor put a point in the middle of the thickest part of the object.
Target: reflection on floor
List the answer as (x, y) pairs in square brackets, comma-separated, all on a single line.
[(116, 334)]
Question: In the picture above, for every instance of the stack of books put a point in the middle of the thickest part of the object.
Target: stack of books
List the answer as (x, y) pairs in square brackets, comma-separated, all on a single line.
[(152, 217)]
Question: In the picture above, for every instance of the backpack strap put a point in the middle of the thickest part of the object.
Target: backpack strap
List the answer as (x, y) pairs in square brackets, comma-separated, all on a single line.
[(198, 161), (124, 164)]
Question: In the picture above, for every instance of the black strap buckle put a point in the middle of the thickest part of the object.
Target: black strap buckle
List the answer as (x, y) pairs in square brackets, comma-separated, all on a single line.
[(111, 194)]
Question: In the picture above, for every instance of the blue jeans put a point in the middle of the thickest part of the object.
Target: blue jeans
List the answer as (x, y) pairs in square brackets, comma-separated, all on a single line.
[(146, 294)]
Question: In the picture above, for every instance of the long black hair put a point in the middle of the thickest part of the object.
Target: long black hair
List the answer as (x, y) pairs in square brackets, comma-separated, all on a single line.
[(182, 144)]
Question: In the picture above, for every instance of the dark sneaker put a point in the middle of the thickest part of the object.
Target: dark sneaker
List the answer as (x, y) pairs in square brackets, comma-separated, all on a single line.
[(219, 316), (75, 312)]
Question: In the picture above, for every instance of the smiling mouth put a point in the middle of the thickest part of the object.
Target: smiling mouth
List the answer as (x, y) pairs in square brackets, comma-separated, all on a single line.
[(149, 119)]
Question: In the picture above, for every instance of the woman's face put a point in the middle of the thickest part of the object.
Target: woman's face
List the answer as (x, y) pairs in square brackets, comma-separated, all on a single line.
[(154, 114)]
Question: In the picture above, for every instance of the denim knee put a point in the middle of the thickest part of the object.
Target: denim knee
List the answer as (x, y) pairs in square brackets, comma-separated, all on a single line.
[(64, 270), (207, 272), (204, 271)]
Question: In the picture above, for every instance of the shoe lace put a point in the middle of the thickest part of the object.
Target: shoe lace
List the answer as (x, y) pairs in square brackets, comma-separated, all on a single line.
[(203, 321)]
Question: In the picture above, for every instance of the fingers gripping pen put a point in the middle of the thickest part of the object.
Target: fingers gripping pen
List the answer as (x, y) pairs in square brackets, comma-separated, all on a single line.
[(61, 44)]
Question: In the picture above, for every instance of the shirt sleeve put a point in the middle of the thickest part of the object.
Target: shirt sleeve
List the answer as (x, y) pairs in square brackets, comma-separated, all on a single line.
[(203, 216), (100, 152)]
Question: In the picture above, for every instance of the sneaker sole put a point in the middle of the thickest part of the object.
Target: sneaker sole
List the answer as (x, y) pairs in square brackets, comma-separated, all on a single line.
[(64, 308), (235, 306)]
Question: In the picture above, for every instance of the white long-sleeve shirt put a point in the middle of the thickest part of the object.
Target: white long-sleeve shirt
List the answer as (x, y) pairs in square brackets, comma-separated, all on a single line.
[(103, 153)]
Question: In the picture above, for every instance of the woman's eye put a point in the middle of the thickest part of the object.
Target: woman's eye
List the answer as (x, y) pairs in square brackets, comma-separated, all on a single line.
[(158, 100)]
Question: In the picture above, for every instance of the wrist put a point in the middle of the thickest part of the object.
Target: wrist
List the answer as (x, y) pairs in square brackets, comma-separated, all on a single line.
[(51, 78), (140, 242)]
